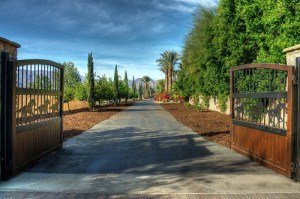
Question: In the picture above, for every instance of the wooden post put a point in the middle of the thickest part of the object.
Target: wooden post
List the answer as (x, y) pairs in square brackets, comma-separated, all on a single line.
[(296, 142), (6, 120)]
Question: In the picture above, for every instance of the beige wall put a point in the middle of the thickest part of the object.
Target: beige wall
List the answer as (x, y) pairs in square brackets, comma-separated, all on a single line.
[(291, 54), (213, 104)]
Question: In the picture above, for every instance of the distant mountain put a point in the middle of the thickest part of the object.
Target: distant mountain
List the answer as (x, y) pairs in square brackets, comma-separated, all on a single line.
[(82, 78)]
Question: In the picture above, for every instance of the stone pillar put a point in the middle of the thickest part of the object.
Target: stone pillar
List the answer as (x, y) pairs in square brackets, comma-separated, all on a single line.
[(10, 47), (291, 54)]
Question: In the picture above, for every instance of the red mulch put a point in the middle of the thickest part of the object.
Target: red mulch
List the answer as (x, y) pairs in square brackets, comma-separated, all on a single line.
[(78, 121), (214, 126)]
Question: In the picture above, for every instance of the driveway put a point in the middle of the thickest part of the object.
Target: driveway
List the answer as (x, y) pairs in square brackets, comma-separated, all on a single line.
[(144, 150)]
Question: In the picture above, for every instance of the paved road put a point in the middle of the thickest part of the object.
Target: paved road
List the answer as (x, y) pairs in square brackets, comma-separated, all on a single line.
[(144, 150)]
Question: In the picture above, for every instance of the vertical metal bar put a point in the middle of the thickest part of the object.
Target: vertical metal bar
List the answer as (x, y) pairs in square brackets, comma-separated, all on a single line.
[(26, 86), (269, 77), (265, 105), (61, 101), (22, 100), (274, 79)]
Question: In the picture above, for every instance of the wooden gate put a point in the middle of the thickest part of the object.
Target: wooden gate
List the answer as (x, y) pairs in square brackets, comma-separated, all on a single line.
[(33, 120), (261, 107)]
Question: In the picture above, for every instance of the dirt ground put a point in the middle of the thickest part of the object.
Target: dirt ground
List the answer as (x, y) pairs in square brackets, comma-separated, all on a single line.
[(214, 126), (78, 121)]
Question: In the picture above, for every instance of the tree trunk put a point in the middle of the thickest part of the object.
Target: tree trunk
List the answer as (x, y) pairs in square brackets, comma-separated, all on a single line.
[(146, 91), (166, 82), (170, 71)]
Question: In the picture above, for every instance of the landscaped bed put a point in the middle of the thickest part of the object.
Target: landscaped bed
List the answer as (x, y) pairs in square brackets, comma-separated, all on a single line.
[(78, 121), (212, 125)]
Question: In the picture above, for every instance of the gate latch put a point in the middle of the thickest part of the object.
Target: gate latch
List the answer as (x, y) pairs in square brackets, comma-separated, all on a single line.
[(293, 167), (295, 80)]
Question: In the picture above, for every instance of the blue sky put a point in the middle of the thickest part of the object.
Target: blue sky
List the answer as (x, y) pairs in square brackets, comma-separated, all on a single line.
[(129, 33)]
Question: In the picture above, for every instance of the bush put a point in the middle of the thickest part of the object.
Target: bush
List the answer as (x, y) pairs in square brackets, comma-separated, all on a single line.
[(199, 107), (187, 104)]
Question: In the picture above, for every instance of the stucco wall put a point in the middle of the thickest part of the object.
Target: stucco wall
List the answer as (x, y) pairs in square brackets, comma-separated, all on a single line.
[(291, 54), (10, 47)]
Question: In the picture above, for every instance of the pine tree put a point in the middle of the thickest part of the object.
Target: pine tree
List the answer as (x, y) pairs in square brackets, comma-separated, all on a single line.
[(91, 81), (140, 91), (116, 86), (133, 88), (126, 86)]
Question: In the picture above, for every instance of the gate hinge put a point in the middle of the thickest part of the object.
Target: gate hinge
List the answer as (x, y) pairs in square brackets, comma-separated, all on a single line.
[(295, 80), (293, 167)]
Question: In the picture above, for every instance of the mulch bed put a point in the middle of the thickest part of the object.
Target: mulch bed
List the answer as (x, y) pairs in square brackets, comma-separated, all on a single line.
[(212, 125), (78, 121)]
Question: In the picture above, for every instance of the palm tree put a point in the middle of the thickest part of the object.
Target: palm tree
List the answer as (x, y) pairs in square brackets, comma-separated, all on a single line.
[(146, 80), (163, 68), (167, 62)]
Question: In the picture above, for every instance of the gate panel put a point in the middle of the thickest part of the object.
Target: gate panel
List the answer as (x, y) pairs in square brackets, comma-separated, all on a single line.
[(37, 110), (261, 108)]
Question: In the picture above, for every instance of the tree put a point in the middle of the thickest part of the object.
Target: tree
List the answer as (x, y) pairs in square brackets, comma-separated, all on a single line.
[(81, 92), (71, 75), (146, 81), (71, 81), (104, 89), (91, 81), (140, 91), (167, 61), (122, 89), (116, 86), (160, 84), (234, 33), (126, 86), (133, 88)]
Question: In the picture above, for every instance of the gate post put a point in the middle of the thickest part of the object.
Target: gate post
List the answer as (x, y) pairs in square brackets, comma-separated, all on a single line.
[(6, 116), (296, 142)]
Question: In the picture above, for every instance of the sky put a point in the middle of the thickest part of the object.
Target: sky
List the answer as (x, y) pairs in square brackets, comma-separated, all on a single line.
[(129, 33)]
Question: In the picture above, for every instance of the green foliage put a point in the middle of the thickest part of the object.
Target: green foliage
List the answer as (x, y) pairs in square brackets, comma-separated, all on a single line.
[(126, 86), (71, 81), (160, 84), (104, 89), (167, 61), (146, 80), (116, 86), (234, 33), (133, 90), (140, 91), (71, 75), (187, 104), (41, 82), (81, 92), (198, 106), (122, 89), (91, 81)]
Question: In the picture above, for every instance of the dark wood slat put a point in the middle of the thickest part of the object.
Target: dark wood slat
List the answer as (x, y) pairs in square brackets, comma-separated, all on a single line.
[(269, 95), (260, 127), (28, 127), (38, 61), (29, 91)]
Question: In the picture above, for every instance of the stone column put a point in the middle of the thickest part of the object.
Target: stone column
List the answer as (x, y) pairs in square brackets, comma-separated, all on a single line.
[(291, 54), (10, 47)]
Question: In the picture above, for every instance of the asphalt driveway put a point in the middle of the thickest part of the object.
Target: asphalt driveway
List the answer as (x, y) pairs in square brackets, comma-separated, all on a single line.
[(144, 150)]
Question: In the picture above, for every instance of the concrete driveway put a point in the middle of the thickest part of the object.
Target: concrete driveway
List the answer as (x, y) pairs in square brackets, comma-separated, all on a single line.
[(144, 150)]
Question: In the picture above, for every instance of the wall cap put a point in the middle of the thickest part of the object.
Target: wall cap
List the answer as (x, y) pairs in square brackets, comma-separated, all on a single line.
[(293, 48), (10, 42)]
